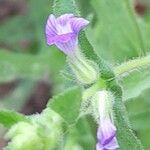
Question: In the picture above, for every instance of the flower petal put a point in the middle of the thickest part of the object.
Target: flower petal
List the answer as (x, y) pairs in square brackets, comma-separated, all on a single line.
[(51, 26), (68, 46), (78, 24), (112, 145), (106, 136), (106, 130), (99, 146), (63, 32), (64, 18), (59, 38)]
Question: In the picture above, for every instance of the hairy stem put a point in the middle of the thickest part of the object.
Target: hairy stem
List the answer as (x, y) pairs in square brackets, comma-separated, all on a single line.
[(100, 84), (131, 65)]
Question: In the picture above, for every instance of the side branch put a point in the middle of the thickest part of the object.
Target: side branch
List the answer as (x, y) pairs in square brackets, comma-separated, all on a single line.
[(131, 65)]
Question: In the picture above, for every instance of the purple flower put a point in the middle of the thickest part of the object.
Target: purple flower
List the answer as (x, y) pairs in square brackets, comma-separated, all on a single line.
[(107, 136), (63, 31)]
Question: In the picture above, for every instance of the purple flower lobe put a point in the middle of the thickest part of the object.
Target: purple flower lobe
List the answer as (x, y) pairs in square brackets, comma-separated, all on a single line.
[(63, 31), (106, 136)]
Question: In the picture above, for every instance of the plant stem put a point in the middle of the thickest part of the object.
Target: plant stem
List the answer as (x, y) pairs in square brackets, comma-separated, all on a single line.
[(93, 89), (131, 65)]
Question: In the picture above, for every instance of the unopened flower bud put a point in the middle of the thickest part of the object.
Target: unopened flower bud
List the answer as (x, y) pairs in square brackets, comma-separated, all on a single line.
[(106, 133), (102, 103), (106, 136), (43, 132), (24, 136)]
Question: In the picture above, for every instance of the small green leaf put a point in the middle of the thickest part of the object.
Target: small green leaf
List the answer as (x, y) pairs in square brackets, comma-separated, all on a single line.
[(9, 118), (67, 104)]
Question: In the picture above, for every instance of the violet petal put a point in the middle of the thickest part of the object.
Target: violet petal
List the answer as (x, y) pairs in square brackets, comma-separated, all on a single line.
[(64, 18), (106, 130), (68, 47), (59, 38), (51, 26), (63, 32), (106, 136), (112, 145), (78, 24)]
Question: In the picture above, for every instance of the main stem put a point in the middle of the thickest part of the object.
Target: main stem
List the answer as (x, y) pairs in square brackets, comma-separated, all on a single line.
[(131, 65), (99, 85)]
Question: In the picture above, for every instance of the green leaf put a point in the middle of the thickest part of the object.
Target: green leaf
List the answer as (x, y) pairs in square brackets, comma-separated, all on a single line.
[(116, 34), (9, 118), (144, 136), (16, 65), (141, 120), (135, 83), (139, 112), (67, 104), (80, 136), (13, 65), (85, 135)]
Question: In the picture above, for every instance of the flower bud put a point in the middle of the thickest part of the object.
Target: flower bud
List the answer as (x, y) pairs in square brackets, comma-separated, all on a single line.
[(42, 133), (106, 133), (106, 136), (51, 129), (102, 103), (24, 136)]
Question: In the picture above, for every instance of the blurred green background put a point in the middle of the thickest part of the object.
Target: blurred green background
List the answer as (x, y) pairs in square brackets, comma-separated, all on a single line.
[(30, 70)]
